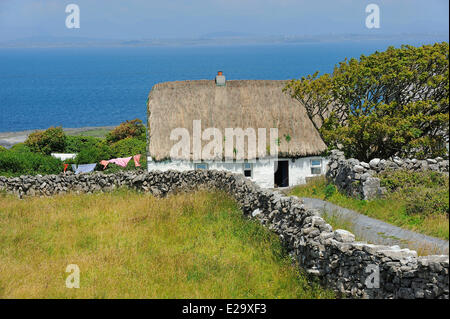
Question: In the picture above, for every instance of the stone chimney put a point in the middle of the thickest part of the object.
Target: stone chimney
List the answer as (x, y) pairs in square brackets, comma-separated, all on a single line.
[(220, 79)]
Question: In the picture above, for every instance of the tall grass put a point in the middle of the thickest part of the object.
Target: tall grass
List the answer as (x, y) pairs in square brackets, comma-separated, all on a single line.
[(130, 245)]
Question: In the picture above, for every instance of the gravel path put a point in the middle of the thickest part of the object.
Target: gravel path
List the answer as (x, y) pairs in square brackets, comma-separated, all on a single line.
[(379, 232)]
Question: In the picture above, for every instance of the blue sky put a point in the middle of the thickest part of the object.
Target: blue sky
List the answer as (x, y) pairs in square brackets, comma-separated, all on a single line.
[(144, 19)]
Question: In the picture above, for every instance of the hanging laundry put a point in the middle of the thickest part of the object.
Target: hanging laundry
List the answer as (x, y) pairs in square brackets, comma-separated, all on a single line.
[(65, 167), (104, 163), (120, 161), (83, 168), (136, 159)]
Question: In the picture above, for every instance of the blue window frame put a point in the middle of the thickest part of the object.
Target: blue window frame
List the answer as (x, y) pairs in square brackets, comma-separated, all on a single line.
[(201, 166)]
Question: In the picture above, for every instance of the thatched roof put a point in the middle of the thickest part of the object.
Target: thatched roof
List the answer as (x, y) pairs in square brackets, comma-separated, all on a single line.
[(243, 103)]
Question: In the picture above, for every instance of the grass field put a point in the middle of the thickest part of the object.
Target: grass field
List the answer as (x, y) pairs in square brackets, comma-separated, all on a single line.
[(95, 132), (392, 209), (130, 245)]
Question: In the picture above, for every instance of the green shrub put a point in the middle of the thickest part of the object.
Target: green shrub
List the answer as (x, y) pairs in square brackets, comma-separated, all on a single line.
[(329, 191), (76, 143), (404, 179), (134, 128), (425, 193), (26, 163), (20, 148), (427, 201), (2, 149), (51, 140), (128, 147), (94, 154)]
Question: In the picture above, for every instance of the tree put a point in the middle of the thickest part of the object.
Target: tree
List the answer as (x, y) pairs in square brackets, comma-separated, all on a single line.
[(134, 128), (51, 140), (389, 103)]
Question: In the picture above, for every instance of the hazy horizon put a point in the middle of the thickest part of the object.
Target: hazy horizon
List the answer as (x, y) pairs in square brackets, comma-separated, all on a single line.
[(177, 19)]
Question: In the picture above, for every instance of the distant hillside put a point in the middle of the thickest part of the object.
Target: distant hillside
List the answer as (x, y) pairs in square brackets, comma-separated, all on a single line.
[(214, 38)]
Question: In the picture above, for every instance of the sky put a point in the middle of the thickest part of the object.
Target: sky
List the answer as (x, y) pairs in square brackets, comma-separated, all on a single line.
[(150, 19)]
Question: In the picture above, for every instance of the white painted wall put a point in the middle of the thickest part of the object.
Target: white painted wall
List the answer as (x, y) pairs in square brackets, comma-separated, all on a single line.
[(300, 168), (64, 156), (263, 171)]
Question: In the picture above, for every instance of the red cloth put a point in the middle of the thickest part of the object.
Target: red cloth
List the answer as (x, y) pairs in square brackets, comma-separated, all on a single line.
[(65, 167)]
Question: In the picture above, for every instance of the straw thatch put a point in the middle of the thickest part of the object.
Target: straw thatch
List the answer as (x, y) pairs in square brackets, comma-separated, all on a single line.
[(240, 104)]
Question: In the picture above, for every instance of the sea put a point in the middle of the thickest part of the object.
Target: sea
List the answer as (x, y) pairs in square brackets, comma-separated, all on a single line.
[(81, 87)]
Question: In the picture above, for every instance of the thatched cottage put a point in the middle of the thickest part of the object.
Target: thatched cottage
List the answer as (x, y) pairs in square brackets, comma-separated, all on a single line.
[(248, 104)]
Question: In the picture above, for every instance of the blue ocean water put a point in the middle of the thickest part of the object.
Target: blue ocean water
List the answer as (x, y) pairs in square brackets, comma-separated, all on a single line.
[(77, 87)]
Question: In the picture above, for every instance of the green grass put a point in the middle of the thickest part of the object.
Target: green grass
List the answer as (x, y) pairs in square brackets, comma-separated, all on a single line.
[(394, 208), (95, 132), (130, 245), (337, 222)]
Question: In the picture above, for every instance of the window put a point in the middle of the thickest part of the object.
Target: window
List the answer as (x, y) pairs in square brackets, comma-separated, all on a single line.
[(316, 167), (248, 170), (201, 166)]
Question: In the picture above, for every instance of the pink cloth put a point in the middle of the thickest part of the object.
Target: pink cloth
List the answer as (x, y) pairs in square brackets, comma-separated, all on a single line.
[(104, 163), (121, 161), (136, 159)]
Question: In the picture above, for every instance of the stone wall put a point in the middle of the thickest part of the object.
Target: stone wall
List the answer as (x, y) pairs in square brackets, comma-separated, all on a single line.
[(348, 267), (357, 178)]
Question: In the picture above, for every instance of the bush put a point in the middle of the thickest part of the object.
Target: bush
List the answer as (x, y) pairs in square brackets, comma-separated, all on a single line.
[(425, 193), (51, 140), (2, 149), (394, 180), (329, 191), (426, 201), (26, 163), (101, 150), (128, 147), (127, 129), (76, 143), (20, 148), (94, 154)]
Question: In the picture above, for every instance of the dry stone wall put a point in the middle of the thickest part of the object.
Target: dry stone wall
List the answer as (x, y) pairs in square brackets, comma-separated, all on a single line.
[(353, 269), (357, 178)]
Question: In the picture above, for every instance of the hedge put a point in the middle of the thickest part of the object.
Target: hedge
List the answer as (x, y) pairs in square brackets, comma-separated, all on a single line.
[(27, 163)]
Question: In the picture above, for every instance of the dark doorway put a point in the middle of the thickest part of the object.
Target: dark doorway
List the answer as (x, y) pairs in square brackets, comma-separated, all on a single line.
[(281, 173)]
